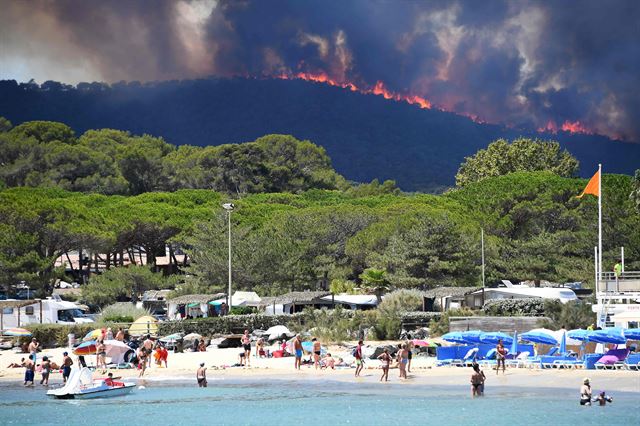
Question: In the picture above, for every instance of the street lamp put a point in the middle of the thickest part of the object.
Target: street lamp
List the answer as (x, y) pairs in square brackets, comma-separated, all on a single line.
[(229, 208)]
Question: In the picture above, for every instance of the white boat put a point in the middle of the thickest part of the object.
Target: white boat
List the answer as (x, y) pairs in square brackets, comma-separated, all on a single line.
[(81, 385)]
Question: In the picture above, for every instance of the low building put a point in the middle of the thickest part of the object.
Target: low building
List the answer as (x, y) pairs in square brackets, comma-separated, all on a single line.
[(155, 301), (192, 306), (361, 302), (441, 299), (476, 299), (295, 301)]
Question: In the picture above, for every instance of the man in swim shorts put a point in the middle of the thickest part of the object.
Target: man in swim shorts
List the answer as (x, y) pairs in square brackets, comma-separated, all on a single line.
[(201, 376), (297, 347), (67, 362), (316, 352), (358, 356)]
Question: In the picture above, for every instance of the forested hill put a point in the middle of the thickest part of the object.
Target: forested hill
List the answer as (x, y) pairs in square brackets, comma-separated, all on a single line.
[(366, 136)]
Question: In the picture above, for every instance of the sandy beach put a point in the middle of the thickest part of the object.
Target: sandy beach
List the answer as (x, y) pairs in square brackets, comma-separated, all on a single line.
[(182, 366)]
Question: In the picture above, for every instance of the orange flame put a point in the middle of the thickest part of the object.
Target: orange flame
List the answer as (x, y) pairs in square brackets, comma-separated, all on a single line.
[(575, 127)]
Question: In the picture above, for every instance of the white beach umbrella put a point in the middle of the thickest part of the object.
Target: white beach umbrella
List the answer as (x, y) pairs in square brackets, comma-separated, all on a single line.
[(277, 331), (116, 349), (192, 336)]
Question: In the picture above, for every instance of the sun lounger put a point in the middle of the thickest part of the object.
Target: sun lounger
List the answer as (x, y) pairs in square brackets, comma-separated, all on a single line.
[(467, 360), (519, 361), (613, 359), (632, 362)]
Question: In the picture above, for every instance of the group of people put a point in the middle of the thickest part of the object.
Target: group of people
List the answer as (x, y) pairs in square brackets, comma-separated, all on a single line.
[(45, 367)]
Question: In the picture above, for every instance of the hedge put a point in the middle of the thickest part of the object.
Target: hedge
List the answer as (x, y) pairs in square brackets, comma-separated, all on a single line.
[(514, 307), (231, 324)]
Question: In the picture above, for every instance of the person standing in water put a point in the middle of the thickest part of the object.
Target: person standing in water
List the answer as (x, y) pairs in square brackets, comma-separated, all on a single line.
[(585, 392), (501, 354), (46, 369), (477, 381), (358, 356), (386, 362), (297, 348), (246, 344), (317, 350), (30, 370), (201, 376), (67, 362)]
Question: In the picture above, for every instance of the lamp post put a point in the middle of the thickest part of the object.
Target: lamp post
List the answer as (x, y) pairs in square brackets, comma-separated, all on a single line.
[(229, 208)]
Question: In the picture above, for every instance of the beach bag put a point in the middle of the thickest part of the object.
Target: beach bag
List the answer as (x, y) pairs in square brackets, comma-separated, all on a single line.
[(354, 352)]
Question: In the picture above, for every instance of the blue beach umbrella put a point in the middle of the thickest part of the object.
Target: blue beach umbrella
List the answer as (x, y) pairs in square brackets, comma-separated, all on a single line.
[(563, 343), (539, 337), (495, 336), (579, 334), (608, 335), (514, 345), (632, 333), (472, 336), (454, 337)]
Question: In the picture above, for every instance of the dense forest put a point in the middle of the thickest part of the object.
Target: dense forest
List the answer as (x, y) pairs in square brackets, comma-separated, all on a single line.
[(366, 136), (297, 223)]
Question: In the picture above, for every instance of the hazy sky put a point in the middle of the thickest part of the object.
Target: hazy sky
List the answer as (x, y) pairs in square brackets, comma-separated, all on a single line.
[(533, 63)]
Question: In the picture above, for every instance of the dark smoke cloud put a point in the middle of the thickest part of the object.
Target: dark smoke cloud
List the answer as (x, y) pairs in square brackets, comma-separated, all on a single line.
[(524, 63)]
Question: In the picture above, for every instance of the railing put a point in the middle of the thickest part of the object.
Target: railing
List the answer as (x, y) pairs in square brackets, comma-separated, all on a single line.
[(627, 282)]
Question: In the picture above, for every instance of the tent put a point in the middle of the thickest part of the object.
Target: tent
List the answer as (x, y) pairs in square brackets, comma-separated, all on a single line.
[(144, 325)]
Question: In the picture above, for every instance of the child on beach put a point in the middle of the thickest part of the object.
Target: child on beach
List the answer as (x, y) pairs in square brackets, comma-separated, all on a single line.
[(603, 398)]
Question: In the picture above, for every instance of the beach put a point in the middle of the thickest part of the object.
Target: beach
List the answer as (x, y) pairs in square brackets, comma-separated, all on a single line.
[(219, 363)]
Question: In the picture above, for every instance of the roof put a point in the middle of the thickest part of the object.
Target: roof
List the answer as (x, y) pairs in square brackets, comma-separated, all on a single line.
[(195, 298), (299, 297), (16, 303), (155, 295), (353, 299), (248, 296), (449, 291)]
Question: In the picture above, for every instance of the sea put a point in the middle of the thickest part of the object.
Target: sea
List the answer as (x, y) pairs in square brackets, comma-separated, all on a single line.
[(314, 402)]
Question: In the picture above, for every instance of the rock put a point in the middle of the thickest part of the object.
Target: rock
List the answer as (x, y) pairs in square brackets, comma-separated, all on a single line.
[(379, 349)]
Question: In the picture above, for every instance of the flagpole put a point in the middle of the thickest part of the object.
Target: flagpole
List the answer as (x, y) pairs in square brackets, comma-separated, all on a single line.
[(600, 221)]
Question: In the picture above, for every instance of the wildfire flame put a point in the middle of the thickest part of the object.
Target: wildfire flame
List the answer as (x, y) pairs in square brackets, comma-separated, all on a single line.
[(379, 89)]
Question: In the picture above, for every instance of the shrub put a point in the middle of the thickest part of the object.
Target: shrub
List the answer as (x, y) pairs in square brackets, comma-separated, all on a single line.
[(389, 319), (122, 312), (574, 314), (514, 307), (438, 327), (52, 335)]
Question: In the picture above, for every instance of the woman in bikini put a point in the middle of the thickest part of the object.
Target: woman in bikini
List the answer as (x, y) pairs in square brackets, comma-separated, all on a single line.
[(246, 344), (101, 353), (46, 369), (386, 361), (501, 354), (477, 381)]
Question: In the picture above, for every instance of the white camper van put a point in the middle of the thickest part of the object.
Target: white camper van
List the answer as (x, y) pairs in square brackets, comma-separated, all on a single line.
[(51, 310)]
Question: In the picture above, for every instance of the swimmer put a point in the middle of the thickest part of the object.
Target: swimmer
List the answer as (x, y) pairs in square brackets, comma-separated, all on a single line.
[(585, 392)]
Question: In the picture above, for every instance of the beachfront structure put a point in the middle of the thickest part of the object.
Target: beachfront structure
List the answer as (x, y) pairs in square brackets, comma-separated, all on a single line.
[(241, 298), (354, 302), (442, 299), (618, 299), (155, 301), (192, 305), (295, 301), (476, 299)]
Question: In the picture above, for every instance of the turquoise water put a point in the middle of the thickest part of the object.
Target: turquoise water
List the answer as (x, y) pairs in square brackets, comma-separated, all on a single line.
[(229, 402)]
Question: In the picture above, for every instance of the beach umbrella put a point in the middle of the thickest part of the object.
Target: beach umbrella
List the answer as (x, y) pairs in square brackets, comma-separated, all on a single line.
[(514, 345), (426, 343), (632, 333), (144, 325), (539, 337), (307, 346), (493, 338), (277, 331), (16, 332), (216, 302), (608, 335), (93, 335), (563, 343), (171, 338), (192, 336), (86, 348), (472, 336), (454, 337), (579, 334), (116, 349)]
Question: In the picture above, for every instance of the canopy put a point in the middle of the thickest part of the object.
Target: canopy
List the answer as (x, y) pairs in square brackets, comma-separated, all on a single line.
[(86, 348), (115, 350), (171, 338), (17, 332), (495, 336), (632, 333), (514, 345), (144, 325), (454, 337), (563, 343), (579, 334), (216, 302), (418, 342), (539, 337), (192, 336), (472, 336), (277, 331), (608, 335), (93, 335)]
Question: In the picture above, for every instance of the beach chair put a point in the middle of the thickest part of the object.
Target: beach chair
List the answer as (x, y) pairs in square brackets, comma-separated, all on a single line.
[(519, 361), (632, 362), (467, 360), (613, 359), (489, 360)]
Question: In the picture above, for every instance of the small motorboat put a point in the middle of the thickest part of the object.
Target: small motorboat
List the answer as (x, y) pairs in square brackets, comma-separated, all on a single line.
[(81, 385)]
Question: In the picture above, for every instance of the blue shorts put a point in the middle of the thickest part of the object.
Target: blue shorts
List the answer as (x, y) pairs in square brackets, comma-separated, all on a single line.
[(298, 353), (28, 376), (66, 371)]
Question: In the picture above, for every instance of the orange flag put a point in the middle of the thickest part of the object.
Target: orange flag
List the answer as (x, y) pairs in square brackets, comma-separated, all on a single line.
[(592, 186)]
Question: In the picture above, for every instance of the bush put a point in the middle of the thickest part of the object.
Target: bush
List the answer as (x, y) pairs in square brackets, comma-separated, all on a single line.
[(122, 312), (230, 324), (440, 326), (56, 335), (514, 307), (389, 319), (571, 315), (242, 310)]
